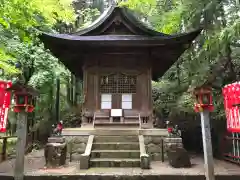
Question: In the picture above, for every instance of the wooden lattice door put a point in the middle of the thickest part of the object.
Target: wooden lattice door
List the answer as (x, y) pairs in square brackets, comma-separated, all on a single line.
[(118, 84)]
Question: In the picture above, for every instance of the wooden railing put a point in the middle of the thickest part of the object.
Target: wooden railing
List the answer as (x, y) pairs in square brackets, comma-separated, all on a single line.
[(140, 121), (3, 156), (94, 117)]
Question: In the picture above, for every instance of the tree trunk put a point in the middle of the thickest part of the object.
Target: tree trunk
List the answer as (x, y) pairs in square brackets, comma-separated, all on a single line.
[(57, 102), (178, 73)]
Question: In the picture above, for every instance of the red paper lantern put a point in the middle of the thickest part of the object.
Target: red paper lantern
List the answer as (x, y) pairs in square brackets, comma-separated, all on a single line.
[(203, 96)]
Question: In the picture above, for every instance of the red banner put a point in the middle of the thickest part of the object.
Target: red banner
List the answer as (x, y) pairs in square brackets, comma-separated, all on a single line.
[(5, 101), (231, 94)]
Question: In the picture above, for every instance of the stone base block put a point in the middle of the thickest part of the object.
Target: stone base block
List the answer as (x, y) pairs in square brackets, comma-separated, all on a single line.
[(55, 154), (145, 161), (56, 139), (84, 161), (172, 143)]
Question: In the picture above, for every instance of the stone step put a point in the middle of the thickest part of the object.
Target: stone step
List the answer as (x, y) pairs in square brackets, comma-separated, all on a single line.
[(114, 162), (116, 145), (116, 124), (126, 121), (133, 154), (114, 138), (102, 121)]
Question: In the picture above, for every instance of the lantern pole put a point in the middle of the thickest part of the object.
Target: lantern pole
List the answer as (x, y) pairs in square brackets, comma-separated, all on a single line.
[(207, 145), (21, 136), (20, 147), (204, 105)]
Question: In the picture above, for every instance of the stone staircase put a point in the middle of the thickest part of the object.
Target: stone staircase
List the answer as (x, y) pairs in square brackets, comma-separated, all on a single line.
[(108, 124), (115, 151)]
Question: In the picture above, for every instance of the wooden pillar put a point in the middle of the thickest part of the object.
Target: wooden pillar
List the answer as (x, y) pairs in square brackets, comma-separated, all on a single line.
[(150, 91), (84, 89), (96, 85), (84, 86), (143, 85), (57, 101)]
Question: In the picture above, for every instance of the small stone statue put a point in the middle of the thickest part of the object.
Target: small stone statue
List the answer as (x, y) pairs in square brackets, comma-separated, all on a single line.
[(173, 131), (57, 130), (176, 132)]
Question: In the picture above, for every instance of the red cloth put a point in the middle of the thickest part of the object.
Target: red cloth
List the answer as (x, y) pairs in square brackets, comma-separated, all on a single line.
[(5, 101), (59, 126), (170, 129), (231, 95)]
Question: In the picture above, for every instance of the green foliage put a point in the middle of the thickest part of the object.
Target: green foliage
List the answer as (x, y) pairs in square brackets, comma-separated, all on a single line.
[(87, 16), (214, 57), (11, 145), (18, 18), (138, 5)]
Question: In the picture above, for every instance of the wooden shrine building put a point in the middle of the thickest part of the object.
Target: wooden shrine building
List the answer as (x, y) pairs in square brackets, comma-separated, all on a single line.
[(118, 57)]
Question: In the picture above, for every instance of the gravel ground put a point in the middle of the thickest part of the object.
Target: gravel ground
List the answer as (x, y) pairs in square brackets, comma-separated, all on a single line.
[(34, 165)]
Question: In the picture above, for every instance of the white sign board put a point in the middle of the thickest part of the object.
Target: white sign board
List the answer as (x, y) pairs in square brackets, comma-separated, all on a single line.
[(116, 112)]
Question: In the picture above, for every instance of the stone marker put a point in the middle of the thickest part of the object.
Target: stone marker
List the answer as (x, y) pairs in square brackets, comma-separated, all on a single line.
[(55, 152), (179, 158)]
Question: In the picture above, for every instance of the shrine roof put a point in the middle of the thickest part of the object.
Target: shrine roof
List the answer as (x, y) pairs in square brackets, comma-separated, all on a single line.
[(115, 14), (119, 31), (127, 40)]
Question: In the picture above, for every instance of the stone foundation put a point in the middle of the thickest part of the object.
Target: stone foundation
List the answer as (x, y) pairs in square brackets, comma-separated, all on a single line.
[(153, 140), (172, 143), (157, 146), (154, 147), (153, 144)]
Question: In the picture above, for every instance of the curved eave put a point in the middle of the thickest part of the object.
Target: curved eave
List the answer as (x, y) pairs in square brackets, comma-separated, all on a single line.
[(117, 40), (70, 49), (128, 16)]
